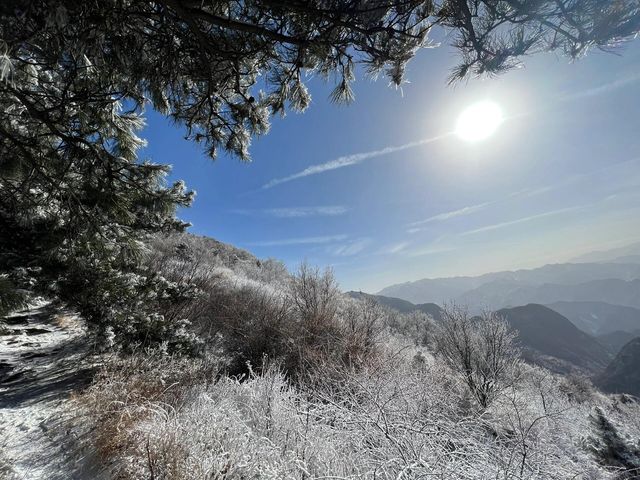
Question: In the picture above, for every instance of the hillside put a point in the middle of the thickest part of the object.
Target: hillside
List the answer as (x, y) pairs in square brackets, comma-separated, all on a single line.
[(269, 419), (396, 303), (599, 318), (623, 373), (544, 333), (207, 247)]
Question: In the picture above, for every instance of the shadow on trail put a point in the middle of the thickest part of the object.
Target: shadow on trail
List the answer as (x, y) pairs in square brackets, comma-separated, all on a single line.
[(44, 358), (46, 375)]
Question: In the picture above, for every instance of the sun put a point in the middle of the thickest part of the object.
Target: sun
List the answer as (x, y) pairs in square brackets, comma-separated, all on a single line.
[(479, 121)]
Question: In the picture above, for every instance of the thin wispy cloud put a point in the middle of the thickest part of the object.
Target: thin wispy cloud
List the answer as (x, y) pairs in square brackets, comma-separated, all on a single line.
[(431, 249), (393, 248), (602, 89), (418, 226), (298, 212), (448, 215), (350, 248), (580, 177), (348, 160), (299, 241), (471, 209), (531, 192), (518, 221)]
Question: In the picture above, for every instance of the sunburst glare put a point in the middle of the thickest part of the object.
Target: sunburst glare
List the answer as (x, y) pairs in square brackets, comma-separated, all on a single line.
[(479, 121)]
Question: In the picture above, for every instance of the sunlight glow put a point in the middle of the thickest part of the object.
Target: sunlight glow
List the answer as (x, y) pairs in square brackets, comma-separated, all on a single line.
[(479, 121)]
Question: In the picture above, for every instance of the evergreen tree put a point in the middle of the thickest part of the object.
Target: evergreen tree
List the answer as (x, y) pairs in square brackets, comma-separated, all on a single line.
[(76, 202)]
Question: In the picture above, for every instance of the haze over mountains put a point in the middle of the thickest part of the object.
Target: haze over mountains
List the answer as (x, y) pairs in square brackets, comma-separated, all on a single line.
[(546, 337), (627, 254), (623, 375), (550, 339), (599, 318), (610, 281), (578, 316)]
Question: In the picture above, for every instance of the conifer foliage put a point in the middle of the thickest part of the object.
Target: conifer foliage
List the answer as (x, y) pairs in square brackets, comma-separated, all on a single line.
[(77, 201)]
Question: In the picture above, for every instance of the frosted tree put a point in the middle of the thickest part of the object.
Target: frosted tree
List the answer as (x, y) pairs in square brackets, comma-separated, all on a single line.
[(480, 350), (76, 76)]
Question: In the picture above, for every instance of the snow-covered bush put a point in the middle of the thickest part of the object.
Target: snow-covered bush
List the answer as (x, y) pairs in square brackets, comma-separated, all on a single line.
[(481, 350), (308, 383), (611, 448), (304, 324), (417, 325), (392, 420)]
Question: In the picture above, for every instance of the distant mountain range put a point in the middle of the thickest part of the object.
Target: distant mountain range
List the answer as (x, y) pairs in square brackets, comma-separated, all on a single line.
[(613, 283), (546, 337), (626, 254), (583, 315)]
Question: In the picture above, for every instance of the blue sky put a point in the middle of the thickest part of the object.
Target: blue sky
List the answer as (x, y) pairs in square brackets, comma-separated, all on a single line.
[(383, 192)]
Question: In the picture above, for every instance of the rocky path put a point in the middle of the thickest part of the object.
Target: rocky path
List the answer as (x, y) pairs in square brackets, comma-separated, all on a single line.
[(42, 361)]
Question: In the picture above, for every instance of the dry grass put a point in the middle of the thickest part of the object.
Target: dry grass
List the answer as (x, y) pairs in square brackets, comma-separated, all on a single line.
[(129, 390), (67, 321)]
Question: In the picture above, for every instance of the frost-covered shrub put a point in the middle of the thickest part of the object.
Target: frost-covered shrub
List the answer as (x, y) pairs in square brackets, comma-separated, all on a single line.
[(611, 449), (305, 325), (138, 309), (417, 325), (363, 323), (481, 350), (578, 388), (392, 420), (250, 323)]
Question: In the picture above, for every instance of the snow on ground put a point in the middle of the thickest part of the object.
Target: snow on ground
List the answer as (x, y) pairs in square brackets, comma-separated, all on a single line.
[(42, 361)]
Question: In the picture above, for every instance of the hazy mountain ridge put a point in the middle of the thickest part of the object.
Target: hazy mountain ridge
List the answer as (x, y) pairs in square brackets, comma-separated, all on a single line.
[(627, 254), (613, 283), (614, 341), (544, 333), (547, 338), (622, 375), (402, 306), (612, 291), (599, 318)]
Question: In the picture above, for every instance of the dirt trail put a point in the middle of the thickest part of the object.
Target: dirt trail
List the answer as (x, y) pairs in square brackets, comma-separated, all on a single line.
[(42, 361)]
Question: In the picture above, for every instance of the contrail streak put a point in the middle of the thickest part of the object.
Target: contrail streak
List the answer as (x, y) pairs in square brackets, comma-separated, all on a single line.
[(607, 87), (348, 160), (356, 158)]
